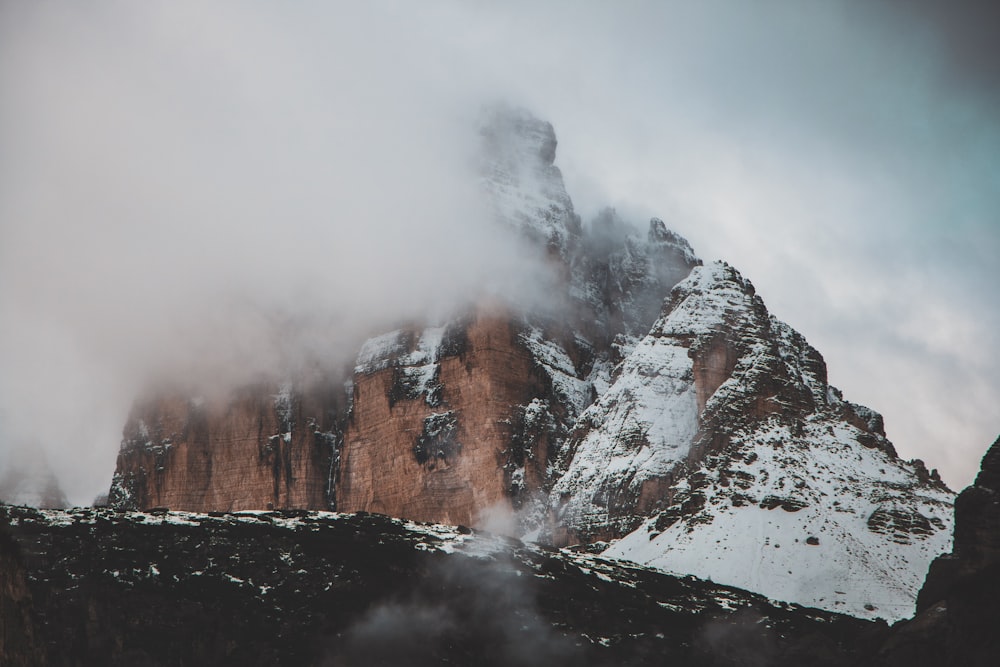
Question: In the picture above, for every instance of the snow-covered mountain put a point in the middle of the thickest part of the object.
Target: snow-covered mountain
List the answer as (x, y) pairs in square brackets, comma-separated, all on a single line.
[(771, 480), (650, 401)]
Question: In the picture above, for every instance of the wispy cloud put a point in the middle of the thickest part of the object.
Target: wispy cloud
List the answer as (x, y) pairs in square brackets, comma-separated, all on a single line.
[(173, 174)]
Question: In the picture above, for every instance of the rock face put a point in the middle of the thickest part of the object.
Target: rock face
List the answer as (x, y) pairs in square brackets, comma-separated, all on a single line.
[(431, 434), (262, 446), (454, 422), (722, 429), (648, 398), (959, 604), (298, 588)]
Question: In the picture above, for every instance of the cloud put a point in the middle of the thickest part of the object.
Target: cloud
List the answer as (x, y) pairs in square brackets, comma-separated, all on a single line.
[(182, 182), (454, 610), (209, 191)]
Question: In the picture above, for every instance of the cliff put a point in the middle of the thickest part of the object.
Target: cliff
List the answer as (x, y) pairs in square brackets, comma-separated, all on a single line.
[(437, 425), (959, 604), (260, 446), (450, 421)]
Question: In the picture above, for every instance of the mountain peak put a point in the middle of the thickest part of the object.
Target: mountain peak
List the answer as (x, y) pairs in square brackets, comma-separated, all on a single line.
[(650, 399), (520, 178), (515, 134)]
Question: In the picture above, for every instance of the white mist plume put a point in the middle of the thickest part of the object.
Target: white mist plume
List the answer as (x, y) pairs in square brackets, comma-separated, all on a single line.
[(161, 161), (211, 193)]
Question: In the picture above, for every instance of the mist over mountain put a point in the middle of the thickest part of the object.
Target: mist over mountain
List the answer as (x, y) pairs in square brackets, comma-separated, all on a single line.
[(644, 399), (180, 183), (297, 295)]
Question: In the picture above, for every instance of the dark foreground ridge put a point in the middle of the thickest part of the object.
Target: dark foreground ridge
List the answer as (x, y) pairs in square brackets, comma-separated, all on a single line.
[(97, 586), (958, 609)]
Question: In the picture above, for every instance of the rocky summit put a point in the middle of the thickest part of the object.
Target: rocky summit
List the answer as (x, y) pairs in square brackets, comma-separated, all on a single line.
[(650, 407), (772, 481)]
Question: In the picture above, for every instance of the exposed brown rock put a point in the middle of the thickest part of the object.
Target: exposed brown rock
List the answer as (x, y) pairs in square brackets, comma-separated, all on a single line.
[(486, 429), (713, 365), (260, 447), (393, 460)]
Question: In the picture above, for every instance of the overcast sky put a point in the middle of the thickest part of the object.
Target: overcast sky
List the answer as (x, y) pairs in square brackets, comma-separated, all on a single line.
[(173, 176)]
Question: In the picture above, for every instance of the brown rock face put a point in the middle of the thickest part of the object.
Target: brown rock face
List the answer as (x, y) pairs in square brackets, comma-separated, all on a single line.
[(448, 455), (713, 366), (260, 447)]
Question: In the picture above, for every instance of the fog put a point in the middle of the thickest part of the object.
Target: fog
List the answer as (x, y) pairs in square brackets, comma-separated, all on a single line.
[(209, 190)]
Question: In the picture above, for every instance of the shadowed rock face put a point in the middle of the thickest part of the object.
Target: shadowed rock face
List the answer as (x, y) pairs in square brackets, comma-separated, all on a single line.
[(19, 643), (958, 607), (298, 588)]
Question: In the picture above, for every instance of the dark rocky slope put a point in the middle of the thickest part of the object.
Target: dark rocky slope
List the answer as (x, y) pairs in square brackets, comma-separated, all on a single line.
[(300, 588), (958, 609)]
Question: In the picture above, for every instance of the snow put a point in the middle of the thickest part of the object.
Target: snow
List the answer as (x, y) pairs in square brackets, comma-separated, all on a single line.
[(416, 353), (638, 429), (525, 189), (557, 363), (393, 349), (851, 570), (707, 301), (877, 524), (644, 423), (379, 352)]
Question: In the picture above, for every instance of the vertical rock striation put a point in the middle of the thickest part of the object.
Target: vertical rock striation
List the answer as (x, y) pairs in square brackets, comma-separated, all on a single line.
[(432, 423), (261, 446)]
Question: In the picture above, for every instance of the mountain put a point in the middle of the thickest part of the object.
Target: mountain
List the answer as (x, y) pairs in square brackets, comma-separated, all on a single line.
[(648, 405), (264, 445), (771, 481)]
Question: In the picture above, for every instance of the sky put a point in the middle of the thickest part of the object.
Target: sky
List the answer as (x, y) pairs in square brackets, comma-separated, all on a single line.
[(207, 189)]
